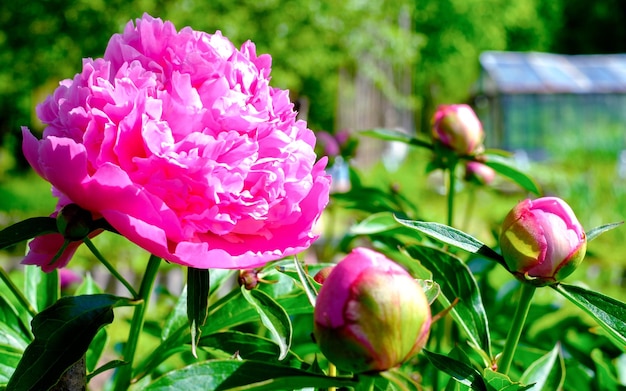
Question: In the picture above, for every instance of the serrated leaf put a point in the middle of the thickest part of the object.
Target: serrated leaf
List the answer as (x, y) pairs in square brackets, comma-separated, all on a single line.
[(504, 167), (547, 373), (608, 312), (273, 316), (63, 333), (595, 232), (231, 375), (457, 282), (198, 289), (27, 229), (461, 372), (453, 237)]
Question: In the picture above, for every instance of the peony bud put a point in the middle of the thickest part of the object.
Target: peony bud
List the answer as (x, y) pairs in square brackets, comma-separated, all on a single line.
[(321, 276), (74, 222), (542, 242), (249, 278), (458, 128), (479, 173), (370, 315)]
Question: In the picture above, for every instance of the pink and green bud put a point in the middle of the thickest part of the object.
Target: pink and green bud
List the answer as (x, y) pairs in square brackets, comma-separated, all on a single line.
[(321, 276), (479, 173), (458, 128), (542, 241), (370, 314)]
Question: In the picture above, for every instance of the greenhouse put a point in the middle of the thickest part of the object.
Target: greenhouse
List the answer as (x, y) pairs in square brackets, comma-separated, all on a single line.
[(543, 102)]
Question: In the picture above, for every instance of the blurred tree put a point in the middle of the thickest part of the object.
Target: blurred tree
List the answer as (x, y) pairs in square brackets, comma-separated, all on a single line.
[(457, 31), (592, 27)]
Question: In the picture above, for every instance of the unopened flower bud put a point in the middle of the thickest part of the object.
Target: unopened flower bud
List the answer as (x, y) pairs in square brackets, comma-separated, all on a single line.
[(542, 241), (249, 278), (74, 222), (479, 173), (370, 314), (458, 128), (321, 276)]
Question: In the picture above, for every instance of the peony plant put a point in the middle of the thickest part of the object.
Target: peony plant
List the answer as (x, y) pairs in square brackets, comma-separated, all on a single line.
[(175, 140)]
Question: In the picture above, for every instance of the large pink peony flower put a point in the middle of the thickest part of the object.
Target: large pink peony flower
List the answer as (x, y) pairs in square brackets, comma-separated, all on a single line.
[(179, 142)]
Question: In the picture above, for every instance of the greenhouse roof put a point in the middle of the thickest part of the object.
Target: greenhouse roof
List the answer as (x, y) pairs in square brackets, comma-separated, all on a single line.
[(532, 72)]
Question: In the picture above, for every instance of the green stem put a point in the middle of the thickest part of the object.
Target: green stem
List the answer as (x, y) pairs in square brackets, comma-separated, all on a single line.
[(451, 191), (523, 305), (110, 267), (17, 293), (123, 380)]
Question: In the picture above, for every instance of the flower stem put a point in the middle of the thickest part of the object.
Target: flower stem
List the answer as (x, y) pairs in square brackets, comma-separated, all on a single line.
[(110, 267), (512, 339), (123, 380), (17, 293)]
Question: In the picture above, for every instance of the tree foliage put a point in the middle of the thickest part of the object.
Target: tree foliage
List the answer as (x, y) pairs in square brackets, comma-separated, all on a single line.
[(43, 41)]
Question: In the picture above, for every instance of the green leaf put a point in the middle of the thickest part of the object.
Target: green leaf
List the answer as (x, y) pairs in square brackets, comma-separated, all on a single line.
[(177, 316), (457, 282), (504, 167), (247, 346), (453, 237), (396, 135), (106, 367), (400, 381), (96, 348), (40, 288), (27, 229), (88, 286), (431, 289), (547, 373), (9, 358), (609, 313), (63, 333), (595, 232), (501, 382), (375, 223), (606, 378), (273, 316), (222, 375), (307, 285), (12, 323), (198, 288), (461, 372)]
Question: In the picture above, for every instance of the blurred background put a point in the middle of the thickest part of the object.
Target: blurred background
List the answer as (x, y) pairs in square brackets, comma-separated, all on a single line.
[(546, 78)]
